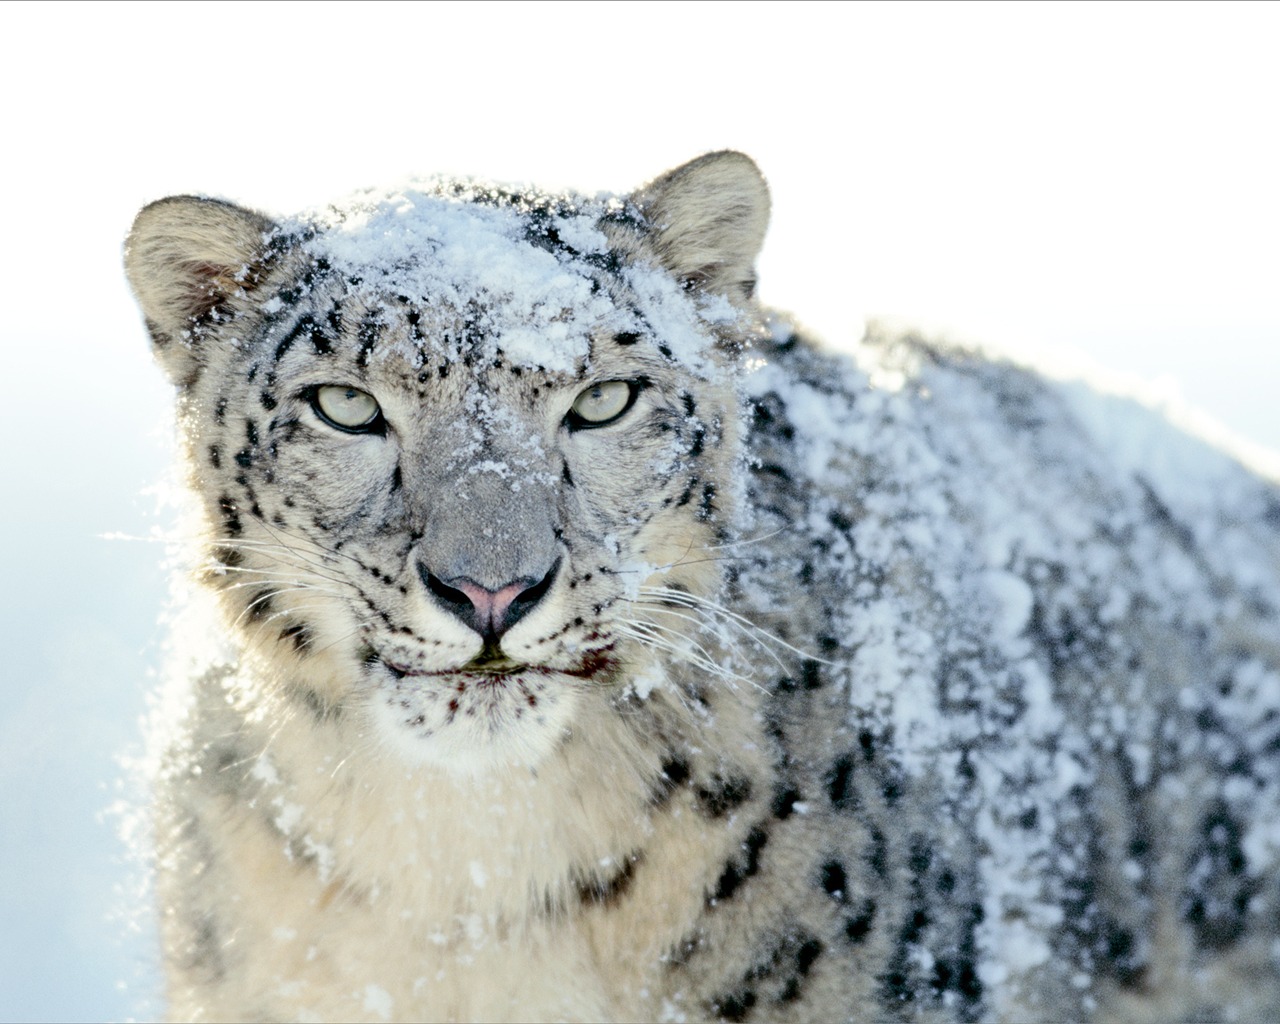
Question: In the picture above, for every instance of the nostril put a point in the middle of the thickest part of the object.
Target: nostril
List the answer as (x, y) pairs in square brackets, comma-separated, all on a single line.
[(451, 597), (523, 602)]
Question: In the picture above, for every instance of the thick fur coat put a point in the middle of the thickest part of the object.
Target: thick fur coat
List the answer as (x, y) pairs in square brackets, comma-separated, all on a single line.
[(599, 648)]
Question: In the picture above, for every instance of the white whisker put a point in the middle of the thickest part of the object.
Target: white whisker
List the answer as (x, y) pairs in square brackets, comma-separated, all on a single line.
[(758, 539), (751, 633), (694, 601), (646, 633)]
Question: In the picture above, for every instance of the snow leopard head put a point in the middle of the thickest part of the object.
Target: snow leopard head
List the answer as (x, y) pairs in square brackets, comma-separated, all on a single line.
[(457, 444)]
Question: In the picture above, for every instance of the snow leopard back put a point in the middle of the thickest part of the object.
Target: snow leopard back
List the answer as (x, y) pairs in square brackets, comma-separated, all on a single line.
[(1056, 679)]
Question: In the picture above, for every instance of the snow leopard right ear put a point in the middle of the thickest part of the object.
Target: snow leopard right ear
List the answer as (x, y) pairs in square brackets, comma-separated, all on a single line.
[(707, 220), (187, 259)]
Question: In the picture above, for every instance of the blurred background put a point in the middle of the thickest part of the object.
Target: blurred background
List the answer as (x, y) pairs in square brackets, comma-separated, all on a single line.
[(1088, 183)]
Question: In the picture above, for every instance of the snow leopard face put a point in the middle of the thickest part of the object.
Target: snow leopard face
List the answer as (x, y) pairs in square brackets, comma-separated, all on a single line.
[(464, 453)]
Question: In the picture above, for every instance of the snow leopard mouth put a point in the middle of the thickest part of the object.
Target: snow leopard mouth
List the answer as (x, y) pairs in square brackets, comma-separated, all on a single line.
[(497, 671)]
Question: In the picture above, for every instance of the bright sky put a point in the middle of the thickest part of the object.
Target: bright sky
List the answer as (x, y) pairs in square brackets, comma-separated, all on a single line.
[(1101, 176)]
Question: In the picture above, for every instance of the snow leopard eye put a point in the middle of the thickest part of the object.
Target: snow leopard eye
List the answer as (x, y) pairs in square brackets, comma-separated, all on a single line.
[(602, 403), (347, 409)]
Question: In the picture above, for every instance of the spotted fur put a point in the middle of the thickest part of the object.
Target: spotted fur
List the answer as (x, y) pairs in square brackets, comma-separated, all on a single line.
[(795, 690)]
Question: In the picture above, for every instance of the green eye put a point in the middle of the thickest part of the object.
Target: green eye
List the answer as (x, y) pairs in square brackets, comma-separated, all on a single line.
[(602, 403), (347, 408)]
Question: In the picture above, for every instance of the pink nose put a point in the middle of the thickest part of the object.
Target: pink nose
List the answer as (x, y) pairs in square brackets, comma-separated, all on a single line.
[(491, 607), (489, 612)]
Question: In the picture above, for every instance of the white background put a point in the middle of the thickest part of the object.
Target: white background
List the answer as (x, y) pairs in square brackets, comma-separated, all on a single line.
[(1100, 178)]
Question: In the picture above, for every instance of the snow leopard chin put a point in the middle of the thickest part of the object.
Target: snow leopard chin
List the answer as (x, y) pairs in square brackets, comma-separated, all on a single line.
[(471, 723)]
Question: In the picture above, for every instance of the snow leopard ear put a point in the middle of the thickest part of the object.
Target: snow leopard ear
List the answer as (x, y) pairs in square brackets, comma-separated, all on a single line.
[(707, 220), (187, 258)]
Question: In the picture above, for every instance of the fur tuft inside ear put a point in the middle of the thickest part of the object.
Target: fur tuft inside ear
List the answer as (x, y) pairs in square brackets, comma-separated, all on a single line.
[(185, 258), (707, 220)]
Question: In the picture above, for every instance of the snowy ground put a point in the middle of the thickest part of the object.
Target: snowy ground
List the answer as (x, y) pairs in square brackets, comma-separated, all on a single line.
[(1101, 180)]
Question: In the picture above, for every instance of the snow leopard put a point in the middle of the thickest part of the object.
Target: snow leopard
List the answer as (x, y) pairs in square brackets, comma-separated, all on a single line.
[(589, 643)]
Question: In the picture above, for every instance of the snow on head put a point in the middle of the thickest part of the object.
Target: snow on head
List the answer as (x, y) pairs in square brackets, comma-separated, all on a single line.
[(520, 274)]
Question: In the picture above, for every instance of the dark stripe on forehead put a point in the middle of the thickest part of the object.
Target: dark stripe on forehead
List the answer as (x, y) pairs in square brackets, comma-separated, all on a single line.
[(322, 342), (307, 328), (368, 333), (415, 324)]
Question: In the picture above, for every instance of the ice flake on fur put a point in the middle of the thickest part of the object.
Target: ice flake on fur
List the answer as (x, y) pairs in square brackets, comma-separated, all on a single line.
[(671, 318), (264, 771), (646, 681), (1012, 605), (322, 854), (290, 814), (378, 1000)]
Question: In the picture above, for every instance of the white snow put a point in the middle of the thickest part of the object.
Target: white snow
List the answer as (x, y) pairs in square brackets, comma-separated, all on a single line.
[(985, 508), (378, 1000), (478, 266), (467, 255)]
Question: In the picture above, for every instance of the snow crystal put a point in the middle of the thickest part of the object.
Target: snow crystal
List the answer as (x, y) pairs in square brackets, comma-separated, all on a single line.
[(1261, 845), (264, 771), (289, 816), (322, 853), (647, 680), (500, 469), (1013, 602), (378, 1000)]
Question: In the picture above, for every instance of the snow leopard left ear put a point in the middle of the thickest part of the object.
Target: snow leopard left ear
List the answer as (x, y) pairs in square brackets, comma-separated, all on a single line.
[(707, 220), (188, 260)]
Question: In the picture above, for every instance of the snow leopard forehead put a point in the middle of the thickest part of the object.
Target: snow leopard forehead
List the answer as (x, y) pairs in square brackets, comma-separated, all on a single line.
[(490, 274), (464, 270)]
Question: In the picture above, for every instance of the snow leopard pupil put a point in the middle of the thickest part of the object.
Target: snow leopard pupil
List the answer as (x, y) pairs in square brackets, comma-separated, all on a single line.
[(602, 403), (346, 408)]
